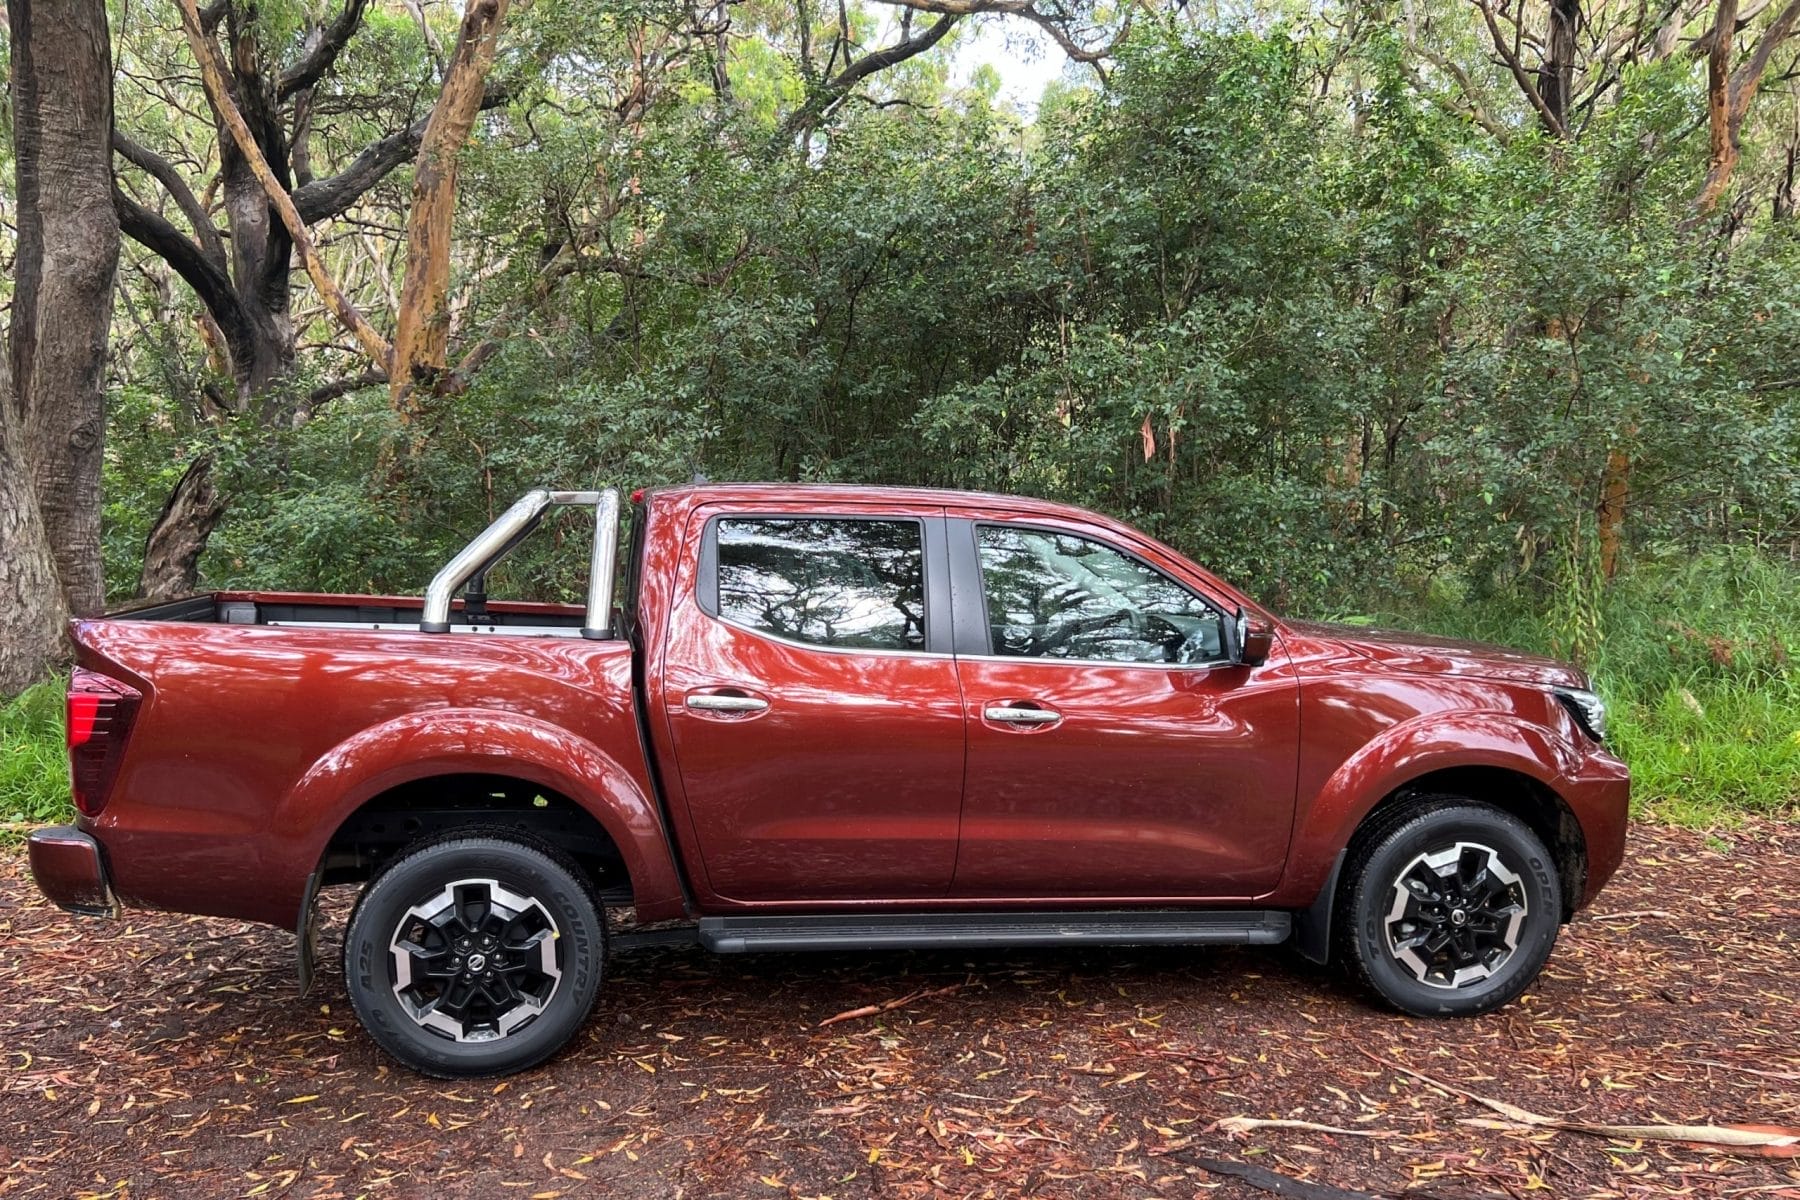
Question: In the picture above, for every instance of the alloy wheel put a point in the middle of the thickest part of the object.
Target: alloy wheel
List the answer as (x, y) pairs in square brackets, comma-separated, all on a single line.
[(1456, 915), (476, 961)]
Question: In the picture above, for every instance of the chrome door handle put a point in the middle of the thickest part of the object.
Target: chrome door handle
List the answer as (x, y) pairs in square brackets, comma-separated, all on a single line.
[(709, 702), (1020, 716)]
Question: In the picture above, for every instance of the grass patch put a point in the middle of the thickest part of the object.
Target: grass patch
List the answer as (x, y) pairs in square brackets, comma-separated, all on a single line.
[(1696, 659), (34, 766)]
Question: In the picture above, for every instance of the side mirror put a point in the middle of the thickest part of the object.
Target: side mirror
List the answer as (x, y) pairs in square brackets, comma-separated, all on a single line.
[(1251, 639)]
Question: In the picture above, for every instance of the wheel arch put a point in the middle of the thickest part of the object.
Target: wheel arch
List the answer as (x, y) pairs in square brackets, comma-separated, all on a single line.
[(1529, 799), (1494, 759), (433, 806)]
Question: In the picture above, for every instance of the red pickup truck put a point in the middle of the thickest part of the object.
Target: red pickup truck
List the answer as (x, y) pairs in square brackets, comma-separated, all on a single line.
[(826, 718)]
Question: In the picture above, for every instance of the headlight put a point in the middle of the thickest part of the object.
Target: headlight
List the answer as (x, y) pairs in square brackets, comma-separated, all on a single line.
[(1588, 709)]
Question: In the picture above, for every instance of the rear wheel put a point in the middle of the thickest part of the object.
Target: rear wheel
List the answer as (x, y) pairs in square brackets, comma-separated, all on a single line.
[(1449, 908), (474, 956)]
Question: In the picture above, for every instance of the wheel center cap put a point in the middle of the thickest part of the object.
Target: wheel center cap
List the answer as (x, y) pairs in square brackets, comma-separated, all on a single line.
[(478, 962), (1457, 917)]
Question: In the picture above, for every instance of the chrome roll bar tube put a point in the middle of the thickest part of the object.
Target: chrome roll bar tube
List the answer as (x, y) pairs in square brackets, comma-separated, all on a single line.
[(510, 528)]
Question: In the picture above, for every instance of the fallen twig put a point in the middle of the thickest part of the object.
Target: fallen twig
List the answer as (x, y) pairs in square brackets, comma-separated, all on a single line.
[(871, 1010), (1767, 1141), (1641, 912), (1707, 1062), (1238, 1126)]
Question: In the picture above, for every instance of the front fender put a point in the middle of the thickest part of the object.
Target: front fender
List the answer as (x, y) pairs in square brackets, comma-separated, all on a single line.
[(1400, 754), (453, 741)]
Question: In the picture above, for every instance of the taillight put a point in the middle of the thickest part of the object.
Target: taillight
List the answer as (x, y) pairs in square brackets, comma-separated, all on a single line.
[(101, 710)]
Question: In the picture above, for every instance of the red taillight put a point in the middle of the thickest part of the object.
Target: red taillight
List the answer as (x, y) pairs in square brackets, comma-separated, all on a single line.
[(101, 710)]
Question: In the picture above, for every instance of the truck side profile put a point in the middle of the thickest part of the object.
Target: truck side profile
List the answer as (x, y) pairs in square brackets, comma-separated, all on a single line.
[(826, 718)]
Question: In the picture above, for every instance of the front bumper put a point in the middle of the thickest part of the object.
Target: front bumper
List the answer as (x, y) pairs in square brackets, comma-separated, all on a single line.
[(67, 866), (1600, 796)]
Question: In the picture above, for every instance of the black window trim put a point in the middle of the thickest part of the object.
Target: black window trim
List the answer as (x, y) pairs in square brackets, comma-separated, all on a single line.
[(935, 563), (979, 639)]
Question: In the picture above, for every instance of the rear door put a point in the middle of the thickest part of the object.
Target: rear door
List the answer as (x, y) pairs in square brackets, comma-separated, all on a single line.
[(813, 705), (1113, 752)]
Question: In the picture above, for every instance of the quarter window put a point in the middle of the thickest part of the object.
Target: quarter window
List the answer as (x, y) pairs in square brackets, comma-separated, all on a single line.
[(843, 582), (1055, 595)]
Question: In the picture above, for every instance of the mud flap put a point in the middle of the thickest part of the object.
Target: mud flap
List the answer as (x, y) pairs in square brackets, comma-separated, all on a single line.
[(1312, 924), (307, 933)]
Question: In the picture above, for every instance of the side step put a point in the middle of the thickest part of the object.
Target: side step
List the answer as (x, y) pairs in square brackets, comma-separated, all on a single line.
[(917, 931)]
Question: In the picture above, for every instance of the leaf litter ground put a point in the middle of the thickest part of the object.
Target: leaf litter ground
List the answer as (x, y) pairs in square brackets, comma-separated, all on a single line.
[(162, 1056)]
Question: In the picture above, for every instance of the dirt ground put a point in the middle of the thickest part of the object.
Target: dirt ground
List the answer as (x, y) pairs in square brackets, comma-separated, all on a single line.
[(160, 1056)]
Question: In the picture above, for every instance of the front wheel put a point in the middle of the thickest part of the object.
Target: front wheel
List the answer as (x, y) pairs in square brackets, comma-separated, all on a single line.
[(1449, 909), (474, 956)]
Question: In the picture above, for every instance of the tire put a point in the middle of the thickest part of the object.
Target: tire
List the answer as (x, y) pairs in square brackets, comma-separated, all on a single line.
[(1429, 919), (514, 933)]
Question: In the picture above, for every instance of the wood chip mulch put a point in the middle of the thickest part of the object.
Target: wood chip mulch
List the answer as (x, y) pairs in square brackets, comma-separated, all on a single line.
[(161, 1056)]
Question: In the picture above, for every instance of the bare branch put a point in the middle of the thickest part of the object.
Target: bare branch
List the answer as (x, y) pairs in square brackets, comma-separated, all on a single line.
[(329, 197), (1510, 56), (164, 172), (838, 86), (322, 50), (209, 280), (1057, 25)]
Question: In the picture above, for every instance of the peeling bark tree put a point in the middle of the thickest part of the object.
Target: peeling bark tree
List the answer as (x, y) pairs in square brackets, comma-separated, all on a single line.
[(242, 273), (68, 252), (421, 331), (1729, 92)]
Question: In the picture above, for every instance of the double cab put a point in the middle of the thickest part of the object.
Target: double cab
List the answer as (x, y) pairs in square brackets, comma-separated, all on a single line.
[(825, 718)]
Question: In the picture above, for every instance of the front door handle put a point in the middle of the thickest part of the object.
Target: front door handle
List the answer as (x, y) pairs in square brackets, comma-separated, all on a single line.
[(1014, 714), (717, 702)]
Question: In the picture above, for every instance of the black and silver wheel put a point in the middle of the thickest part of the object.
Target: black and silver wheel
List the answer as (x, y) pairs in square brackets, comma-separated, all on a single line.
[(1449, 908), (475, 956)]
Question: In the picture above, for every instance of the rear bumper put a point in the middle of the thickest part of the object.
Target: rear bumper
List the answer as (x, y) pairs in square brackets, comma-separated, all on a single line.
[(67, 866)]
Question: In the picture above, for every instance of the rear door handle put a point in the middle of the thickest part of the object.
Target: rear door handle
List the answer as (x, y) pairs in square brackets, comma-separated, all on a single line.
[(1015, 715), (717, 702)]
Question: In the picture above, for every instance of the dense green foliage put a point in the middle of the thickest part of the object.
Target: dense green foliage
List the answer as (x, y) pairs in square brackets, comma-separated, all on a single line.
[(1364, 361), (1267, 294)]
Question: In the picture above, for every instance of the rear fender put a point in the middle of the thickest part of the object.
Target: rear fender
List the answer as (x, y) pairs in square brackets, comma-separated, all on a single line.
[(1400, 754), (420, 745)]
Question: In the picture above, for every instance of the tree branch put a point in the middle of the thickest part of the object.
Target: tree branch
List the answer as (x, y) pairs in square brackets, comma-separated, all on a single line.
[(838, 86), (212, 73), (1056, 25), (1519, 74), (422, 325), (329, 197), (322, 51), (209, 280), (164, 172), (1745, 80)]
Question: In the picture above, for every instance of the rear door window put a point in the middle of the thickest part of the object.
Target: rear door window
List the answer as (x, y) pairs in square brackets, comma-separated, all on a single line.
[(846, 583)]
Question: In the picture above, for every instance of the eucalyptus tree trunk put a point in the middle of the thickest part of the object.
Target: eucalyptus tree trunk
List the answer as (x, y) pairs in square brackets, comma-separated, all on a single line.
[(31, 617), (68, 252), (421, 332)]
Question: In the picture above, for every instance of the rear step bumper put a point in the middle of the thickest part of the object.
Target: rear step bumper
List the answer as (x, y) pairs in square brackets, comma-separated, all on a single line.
[(68, 869), (918, 931)]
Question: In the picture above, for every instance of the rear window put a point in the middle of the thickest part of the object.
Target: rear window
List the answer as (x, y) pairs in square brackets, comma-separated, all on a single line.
[(848, 583)]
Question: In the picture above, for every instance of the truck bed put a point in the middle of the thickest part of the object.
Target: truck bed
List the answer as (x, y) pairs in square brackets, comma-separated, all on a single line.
[(310, 610)]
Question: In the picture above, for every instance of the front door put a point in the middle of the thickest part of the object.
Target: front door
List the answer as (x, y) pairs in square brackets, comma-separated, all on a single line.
[(1113, 752), (813, 707)]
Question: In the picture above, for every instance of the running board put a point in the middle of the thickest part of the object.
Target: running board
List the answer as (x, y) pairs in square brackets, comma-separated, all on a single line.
[(919, 931)]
